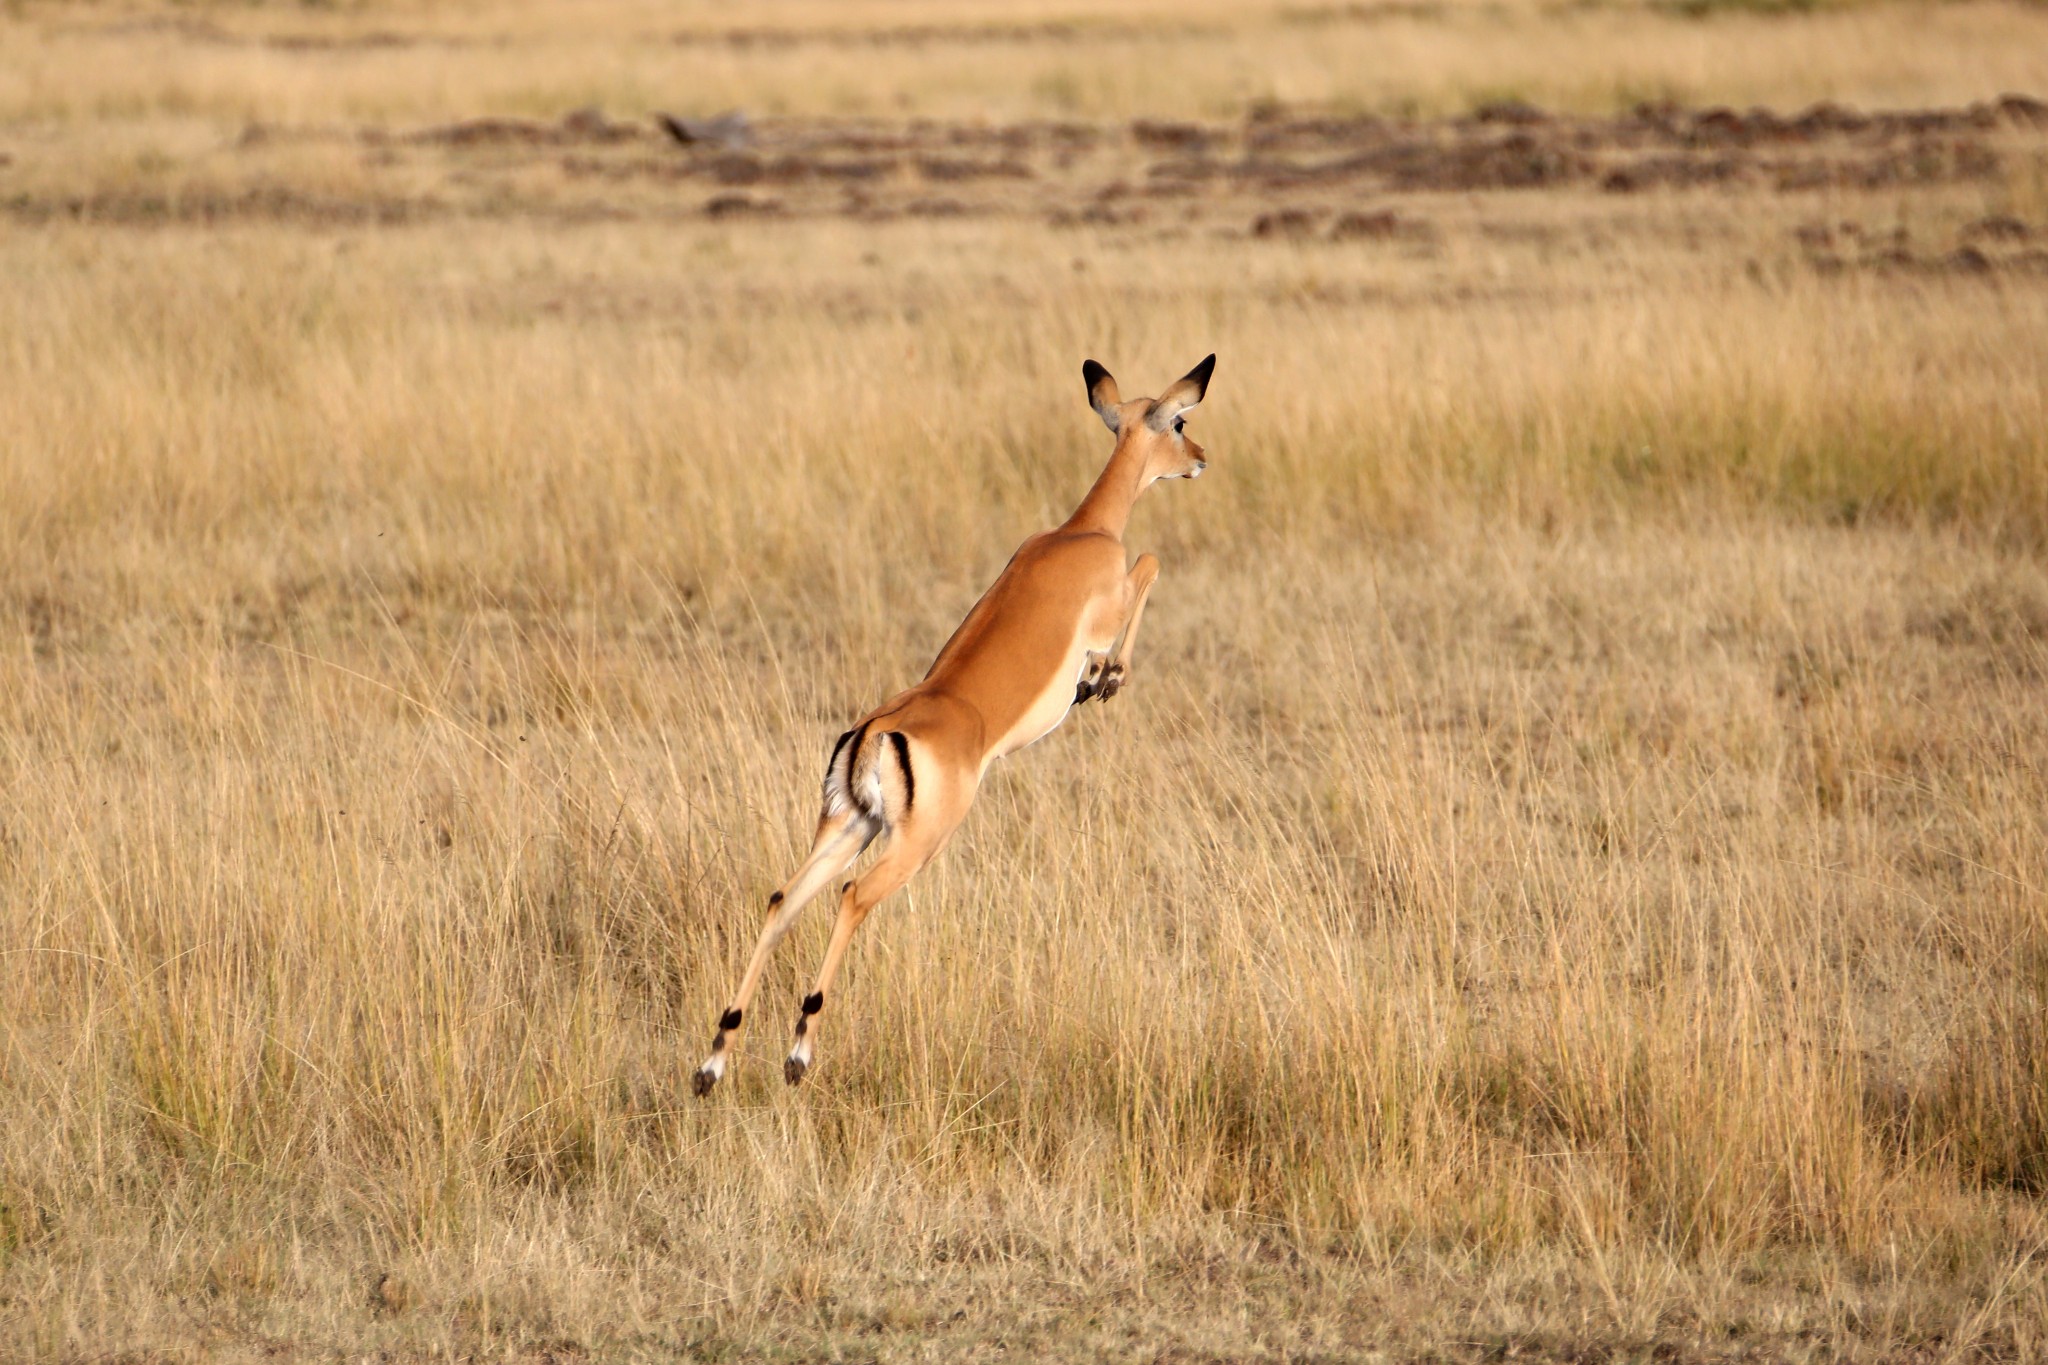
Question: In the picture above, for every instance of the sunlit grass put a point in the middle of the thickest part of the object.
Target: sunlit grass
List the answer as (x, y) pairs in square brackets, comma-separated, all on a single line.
[(1566, 876)]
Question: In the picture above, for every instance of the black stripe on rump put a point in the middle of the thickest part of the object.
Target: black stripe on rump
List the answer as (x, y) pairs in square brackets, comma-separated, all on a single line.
[(903, 761), (860, 737), (855, 738), (835, 752)]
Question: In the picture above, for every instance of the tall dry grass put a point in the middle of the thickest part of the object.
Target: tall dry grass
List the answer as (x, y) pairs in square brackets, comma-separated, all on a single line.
[(1567, 874), (1539, 825)]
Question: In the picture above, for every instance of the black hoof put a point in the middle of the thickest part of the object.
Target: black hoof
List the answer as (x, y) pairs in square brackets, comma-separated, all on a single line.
[(1083, 693), (793, 1070), (701, 1083)]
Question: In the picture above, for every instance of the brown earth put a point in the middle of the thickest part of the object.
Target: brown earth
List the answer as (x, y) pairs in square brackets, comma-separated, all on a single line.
[(1279, 173)]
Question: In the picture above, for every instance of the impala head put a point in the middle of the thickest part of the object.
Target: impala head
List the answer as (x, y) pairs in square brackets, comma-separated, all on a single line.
[(1154, 427)]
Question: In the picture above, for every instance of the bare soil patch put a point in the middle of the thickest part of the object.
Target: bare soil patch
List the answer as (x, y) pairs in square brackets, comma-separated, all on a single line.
[(1278, 174)]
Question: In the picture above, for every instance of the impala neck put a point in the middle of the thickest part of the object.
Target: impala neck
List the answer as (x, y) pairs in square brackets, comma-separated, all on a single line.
[(1107, 508)]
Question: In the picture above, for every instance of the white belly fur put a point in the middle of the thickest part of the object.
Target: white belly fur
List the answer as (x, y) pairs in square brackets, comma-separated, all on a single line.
[(1050, 707)]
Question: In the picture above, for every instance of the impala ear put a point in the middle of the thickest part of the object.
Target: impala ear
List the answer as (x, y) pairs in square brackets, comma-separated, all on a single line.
[(1101, 394), (1185, 393)]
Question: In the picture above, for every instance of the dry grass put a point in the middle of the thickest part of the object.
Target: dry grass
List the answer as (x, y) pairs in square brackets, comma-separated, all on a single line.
[(1567, 877), (400, 62)]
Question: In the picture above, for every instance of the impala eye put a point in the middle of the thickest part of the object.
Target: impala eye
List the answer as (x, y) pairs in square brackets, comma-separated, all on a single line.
[(1177, 425)]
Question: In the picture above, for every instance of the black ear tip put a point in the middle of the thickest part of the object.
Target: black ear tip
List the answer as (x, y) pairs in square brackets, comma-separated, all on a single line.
[(1207, 367), (1091, 371)]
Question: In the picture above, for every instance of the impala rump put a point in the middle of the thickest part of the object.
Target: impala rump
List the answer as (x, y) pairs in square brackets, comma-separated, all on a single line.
[(870, 775)]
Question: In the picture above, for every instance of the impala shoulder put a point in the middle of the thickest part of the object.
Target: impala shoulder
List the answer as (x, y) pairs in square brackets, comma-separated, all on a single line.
[(1094, 547), (1096, 559), (1036, 545)]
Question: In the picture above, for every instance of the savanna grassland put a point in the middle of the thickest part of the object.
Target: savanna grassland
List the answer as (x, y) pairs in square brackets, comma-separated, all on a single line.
[(1568, 877)]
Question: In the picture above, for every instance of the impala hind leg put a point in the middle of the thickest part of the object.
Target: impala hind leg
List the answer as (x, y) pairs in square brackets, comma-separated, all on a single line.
[(908, 851), (840, 840)]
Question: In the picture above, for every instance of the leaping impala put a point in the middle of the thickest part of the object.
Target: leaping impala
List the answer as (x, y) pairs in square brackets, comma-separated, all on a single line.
[(1056, 629)]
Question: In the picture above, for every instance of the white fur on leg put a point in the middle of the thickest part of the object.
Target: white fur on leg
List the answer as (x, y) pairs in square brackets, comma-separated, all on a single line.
[(711, 1072)]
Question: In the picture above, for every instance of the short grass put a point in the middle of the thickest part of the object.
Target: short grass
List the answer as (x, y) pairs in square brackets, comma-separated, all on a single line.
[(391, 61)]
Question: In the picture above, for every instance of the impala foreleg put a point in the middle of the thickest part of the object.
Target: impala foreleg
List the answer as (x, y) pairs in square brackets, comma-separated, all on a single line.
[(841, 838), (1143, 575), (908, 851)]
